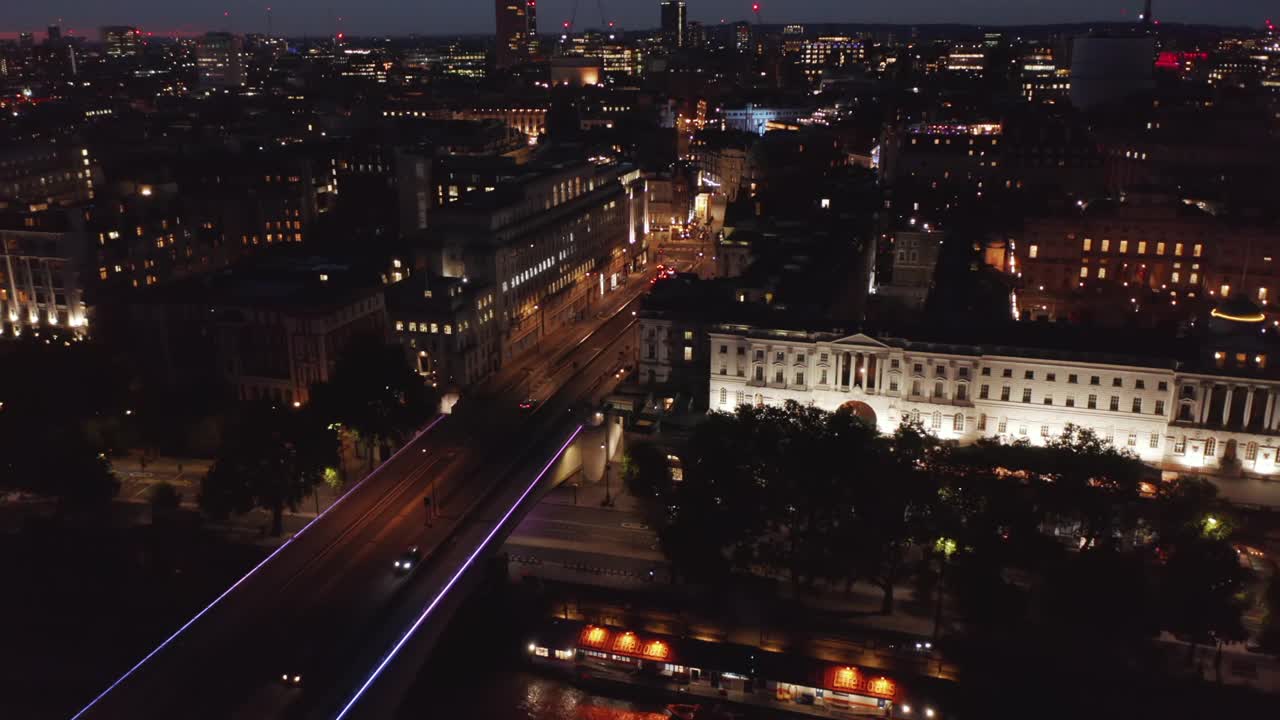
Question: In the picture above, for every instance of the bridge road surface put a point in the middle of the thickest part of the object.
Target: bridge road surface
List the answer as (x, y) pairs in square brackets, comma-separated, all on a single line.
[(329, 589)]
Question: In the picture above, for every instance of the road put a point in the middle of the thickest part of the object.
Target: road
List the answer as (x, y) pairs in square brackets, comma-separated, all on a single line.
[(327, 599)]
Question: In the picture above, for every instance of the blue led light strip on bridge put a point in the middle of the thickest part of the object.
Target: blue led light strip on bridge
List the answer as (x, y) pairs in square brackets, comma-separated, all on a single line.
[(453, 580), (247, 575)]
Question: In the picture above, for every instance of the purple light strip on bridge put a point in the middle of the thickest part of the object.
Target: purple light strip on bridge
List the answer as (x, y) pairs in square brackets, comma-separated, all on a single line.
[(453, 580), (249, 574)]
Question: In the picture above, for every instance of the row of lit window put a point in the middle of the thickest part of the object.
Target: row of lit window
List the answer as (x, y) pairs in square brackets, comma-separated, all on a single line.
[(1105, 246), (1175, 277), (1241, 360), (433, 328)]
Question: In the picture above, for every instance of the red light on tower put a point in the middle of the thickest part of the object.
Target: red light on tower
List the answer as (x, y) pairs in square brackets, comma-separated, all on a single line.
[(755, 8), (566, 24)]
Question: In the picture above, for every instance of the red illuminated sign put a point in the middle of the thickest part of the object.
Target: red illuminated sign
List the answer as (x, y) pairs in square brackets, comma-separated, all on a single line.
[(594, 637), (852, 680), (624, 643), (656, 650), (845, 678)]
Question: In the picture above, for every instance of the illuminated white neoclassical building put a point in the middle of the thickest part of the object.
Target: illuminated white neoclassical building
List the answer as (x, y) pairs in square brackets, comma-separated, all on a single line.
[(1176, 415)]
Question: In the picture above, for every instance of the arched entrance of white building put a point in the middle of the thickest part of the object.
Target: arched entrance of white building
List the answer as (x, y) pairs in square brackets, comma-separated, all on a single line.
[(861, 410)]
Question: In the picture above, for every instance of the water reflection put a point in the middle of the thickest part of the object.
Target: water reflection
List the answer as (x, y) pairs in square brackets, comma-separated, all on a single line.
[(518, 695)]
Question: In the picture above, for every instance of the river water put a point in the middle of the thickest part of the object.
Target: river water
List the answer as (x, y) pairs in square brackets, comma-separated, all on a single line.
[(514, 694)]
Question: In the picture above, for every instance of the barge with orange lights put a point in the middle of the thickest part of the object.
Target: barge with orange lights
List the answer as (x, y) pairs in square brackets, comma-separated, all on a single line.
[(689, 670)]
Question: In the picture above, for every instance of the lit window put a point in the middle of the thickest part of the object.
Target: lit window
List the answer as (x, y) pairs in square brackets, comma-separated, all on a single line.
[(1106, 245), (1159, 248), (1084, 272), (688, 353), (1102, 273), (1210, 447), (1177, 249), (1225, 290), (1088, 244), (1124, 246), (1142, 247), (1035, 251)]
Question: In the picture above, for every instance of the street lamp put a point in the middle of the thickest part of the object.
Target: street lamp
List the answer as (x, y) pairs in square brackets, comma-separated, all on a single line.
[(608, 496)]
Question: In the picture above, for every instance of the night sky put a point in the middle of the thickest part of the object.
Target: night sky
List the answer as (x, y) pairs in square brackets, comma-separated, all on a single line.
[(297, 17)]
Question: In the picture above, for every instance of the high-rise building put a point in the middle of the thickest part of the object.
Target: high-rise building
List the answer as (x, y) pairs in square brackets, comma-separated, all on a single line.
[(122, 41), (26, 40), (55, 35), (218, 56), (673, 23), (742, 36), (517, 31), (1109, 69), (695, 35)]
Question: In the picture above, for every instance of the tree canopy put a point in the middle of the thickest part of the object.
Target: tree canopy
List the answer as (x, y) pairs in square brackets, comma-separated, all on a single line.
[(272, 458), (374, 393), (47, 401), (1050, 534)]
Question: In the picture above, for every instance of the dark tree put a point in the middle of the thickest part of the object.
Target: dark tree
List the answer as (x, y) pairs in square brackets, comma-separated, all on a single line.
[(1269, 638), (272, 459), (1202, 590), (46, 403), (374, 394)]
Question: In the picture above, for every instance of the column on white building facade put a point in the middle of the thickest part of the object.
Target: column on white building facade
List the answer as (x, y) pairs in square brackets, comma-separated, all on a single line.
[(1206, 399), (1248, 405), (51, 310), (1226, 405), (1266, 412), (880, 363)]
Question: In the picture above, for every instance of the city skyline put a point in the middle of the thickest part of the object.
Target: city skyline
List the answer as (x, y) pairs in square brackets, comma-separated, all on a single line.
[(376, 17)]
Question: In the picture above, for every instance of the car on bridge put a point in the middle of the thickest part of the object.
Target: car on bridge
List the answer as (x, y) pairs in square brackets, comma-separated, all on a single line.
[(408, 561)]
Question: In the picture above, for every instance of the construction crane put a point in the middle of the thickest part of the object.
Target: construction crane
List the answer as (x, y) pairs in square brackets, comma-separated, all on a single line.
[(573, 17)]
